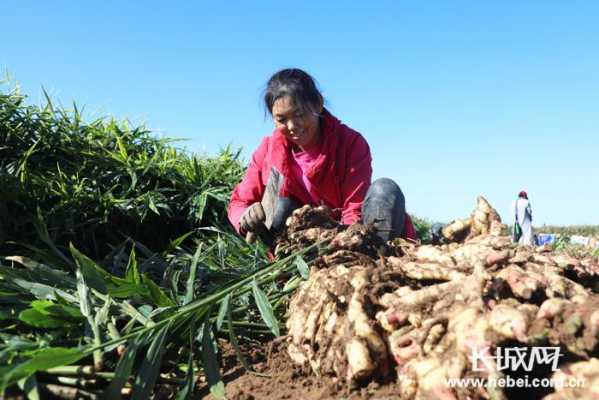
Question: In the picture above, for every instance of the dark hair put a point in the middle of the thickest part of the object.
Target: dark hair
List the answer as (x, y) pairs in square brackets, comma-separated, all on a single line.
[(297, 84)]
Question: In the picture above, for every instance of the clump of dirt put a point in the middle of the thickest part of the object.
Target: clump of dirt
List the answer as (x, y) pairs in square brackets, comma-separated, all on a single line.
[(416, 318), (306, 226)]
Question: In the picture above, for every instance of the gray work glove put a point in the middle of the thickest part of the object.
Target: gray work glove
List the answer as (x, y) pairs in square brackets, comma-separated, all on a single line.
[(252, 219)]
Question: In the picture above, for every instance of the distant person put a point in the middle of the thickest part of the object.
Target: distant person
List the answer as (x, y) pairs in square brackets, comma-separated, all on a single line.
[(523, 220), (312, 158)]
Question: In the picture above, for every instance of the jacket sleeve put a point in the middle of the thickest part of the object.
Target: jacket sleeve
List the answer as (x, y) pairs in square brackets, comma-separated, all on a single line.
[(357, 180), (251, 187), (409, 231)]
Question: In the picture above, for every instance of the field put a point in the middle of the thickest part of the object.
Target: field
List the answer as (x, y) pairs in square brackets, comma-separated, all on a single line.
[(120, 278), (581, 230)]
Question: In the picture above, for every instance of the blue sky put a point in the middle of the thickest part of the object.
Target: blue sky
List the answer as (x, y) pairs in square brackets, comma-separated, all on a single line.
[(456, 98)]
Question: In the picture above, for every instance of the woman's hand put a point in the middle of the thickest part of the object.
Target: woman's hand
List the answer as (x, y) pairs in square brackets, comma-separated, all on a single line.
[(252, 219)]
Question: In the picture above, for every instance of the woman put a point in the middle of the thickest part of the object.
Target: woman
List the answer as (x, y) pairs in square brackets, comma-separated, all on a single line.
[(523, 215), (312, 158)]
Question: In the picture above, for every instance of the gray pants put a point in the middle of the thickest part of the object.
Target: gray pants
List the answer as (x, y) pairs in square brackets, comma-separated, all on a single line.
[(385, 208)]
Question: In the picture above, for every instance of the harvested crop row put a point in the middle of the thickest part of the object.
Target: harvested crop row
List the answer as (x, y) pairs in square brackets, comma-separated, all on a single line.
[(419, 315)]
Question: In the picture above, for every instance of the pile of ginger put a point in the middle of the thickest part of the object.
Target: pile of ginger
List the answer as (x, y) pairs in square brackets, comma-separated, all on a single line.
[(421, 315)]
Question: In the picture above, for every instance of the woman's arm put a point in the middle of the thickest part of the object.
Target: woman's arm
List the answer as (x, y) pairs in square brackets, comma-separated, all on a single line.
[(357, 180), (251, 187)]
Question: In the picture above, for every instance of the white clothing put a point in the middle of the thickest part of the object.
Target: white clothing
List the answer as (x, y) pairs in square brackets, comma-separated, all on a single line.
[(523, 214)]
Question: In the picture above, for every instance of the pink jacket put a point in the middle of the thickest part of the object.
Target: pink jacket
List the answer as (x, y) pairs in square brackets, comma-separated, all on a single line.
[(340, 175)]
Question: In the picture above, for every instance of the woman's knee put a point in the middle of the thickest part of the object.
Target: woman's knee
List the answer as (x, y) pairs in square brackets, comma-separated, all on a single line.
[(384, 207), (385, 188)]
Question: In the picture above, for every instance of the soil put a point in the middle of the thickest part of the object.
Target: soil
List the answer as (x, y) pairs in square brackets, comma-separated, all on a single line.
[(286, 381)]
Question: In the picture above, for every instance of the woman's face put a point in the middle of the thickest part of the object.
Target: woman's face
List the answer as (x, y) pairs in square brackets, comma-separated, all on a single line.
[(299, 127)]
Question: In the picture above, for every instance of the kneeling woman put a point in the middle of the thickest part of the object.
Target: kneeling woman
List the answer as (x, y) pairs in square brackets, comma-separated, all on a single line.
[(312, 158)]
